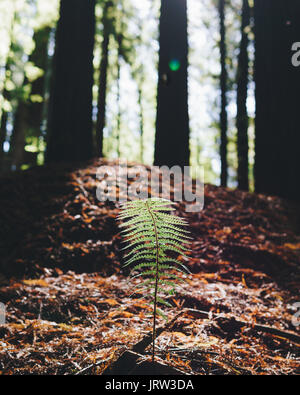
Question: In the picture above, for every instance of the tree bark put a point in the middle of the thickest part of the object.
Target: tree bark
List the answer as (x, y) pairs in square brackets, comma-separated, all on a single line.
[(242, 93), (70, 111), (277, 139), (172, 120), (223, 87), (100, 123)]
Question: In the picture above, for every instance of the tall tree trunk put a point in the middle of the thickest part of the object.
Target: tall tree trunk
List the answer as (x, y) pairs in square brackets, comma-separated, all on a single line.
[(242, 93), (223, 86), (70, 111), (172, 119), (277, 139), (100, 123)]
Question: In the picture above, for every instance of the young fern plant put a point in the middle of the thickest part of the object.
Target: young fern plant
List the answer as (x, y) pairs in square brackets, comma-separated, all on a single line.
[(154, 237)]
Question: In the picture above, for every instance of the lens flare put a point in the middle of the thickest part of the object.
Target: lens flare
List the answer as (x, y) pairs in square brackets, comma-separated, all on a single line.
[(174, 65)]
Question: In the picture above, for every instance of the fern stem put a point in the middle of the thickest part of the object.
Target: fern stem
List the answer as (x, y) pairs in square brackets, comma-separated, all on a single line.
[(156, 282)]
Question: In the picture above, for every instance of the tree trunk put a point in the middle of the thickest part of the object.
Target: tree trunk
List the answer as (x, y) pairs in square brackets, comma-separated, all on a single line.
[(140, 103), (39, 57), (119, 115), (70, 111), (223, 86), (4, 115), (277, 144), (3, 133), (18, 136), (100, 123), (172, 120), (242, 93), (29, 114), (5, 92)]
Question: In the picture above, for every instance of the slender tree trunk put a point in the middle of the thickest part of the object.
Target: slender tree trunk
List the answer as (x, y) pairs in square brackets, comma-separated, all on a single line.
[(277, 137), (140, 103), (29, 113), (198, 151), (4, 115), (242, 93), (5, 92), (223, 86), (172, 119), (119, 115), (70, 111), (3, 132), (120, 32), (39, 57), (18, 136), (100, 123)]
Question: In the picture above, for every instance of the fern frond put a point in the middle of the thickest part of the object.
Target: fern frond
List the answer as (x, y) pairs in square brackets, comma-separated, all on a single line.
[(152, 233)]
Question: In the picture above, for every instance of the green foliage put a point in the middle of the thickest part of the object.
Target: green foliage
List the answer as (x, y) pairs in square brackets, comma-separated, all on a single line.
[(154, 237)]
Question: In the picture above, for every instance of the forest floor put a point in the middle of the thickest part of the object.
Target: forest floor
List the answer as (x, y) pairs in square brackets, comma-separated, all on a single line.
[(68, 299)]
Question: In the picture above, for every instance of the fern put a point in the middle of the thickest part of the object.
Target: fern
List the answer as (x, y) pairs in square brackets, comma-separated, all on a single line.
[(153, 236)]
